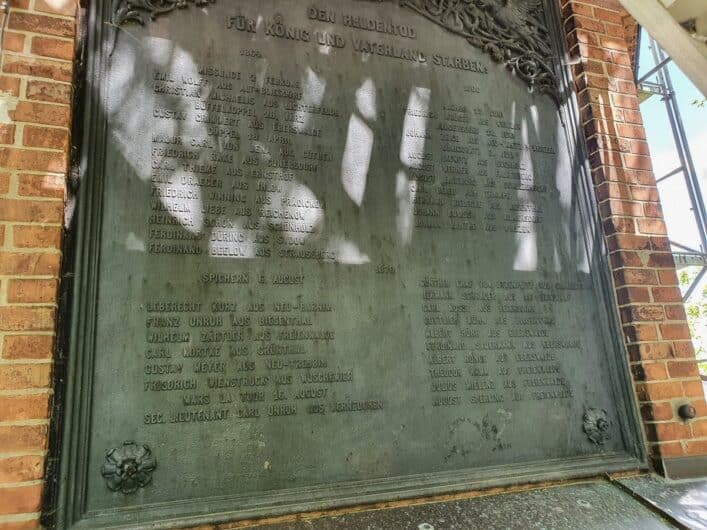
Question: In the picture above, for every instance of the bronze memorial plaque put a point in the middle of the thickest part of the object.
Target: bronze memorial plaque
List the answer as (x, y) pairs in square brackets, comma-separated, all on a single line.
[(332, 253)]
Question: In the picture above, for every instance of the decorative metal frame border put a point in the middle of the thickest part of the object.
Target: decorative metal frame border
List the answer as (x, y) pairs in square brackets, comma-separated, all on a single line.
[(71, 506)]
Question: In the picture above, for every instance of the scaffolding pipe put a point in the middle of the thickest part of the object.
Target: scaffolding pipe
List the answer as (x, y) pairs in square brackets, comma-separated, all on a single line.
[(680, 138)]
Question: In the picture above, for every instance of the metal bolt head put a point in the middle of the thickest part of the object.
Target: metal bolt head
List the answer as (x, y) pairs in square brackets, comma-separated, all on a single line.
[(687, 411)]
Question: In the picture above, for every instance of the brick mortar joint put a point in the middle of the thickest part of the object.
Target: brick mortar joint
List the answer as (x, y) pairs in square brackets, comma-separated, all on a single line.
[(25, 78), (30, 33), (11, 53), (24, 392), (25, 423), (19, 518), (43, 13)]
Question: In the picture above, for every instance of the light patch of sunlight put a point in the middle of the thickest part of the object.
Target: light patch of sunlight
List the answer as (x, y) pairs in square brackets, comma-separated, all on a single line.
[(356, 159), (556, 261), (126, 98), (181, 190), (412, 146), (526, 258), (175, 188), (405, 193), (582, 260), (122, 104), (349, 253), (261, 67), (535, 118), (524, 160), (313, 88), (513, 113), (160, 51), (132, 242), (527, 253), (299, 198), (366, 100), (693, 503), (563, 185)]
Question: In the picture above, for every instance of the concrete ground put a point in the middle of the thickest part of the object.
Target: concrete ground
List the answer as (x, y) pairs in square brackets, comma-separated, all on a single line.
[(642, 502)]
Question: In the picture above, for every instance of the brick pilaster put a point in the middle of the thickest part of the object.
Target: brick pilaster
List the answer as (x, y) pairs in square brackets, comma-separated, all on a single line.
[(35, 91), (601, 34)]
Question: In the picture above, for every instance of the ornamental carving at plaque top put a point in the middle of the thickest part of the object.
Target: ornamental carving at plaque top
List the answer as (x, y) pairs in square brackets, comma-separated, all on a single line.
[(139, 10), (128, 467), (513, 32), (597, 426)]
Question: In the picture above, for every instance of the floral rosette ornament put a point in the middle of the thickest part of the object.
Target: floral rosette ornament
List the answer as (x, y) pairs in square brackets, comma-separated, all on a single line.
[(597, 426), (128, 467)]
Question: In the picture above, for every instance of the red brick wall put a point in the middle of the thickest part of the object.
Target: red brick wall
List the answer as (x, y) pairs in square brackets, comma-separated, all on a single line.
[(601, 35), (35, 113), (35, 89)]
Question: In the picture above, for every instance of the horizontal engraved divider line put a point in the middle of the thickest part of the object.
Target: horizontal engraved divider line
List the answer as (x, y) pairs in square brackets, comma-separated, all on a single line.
[(386, 490)]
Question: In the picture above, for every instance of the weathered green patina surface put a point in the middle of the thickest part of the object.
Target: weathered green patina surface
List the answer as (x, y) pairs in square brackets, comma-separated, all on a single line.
[(330, 255)]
